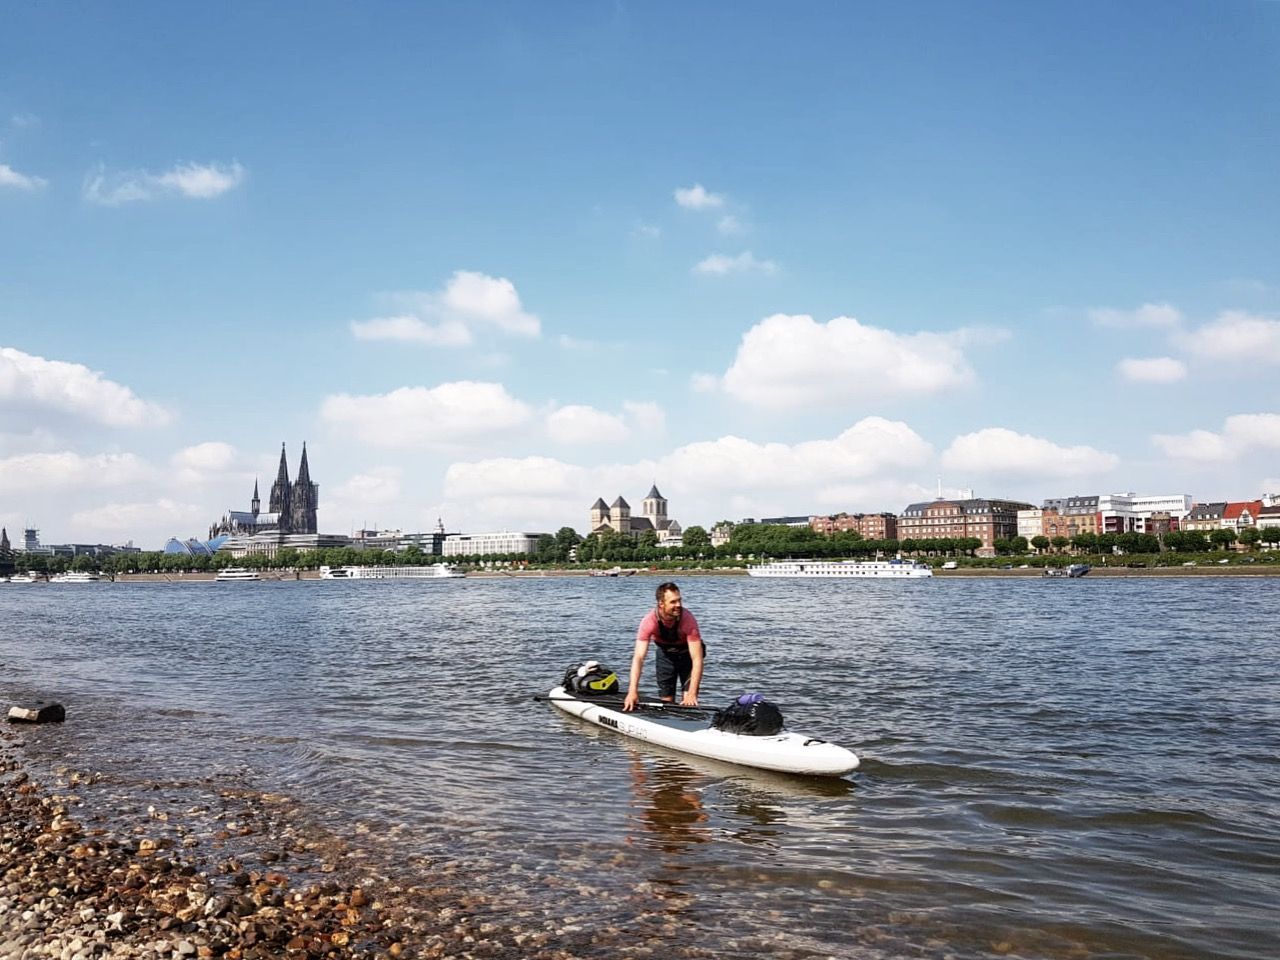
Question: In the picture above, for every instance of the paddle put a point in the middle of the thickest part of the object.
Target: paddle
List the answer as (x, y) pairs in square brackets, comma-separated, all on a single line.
[(616, 703)]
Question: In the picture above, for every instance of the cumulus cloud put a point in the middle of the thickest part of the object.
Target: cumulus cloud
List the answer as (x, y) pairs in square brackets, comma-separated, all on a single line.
[(212, 461), (1240, 434), (1235, 335), (10, 177), (68, 471), (446, 415), (730, 226), (409, 329), (356, 501), (116, 521), (449, 317), (71, 388), (576, 424), (646, 417), (1160, 315), (702, 479), (1152, 370), (790, 361), (720, 264), (698, 197), (189, 180), (1001, 452)]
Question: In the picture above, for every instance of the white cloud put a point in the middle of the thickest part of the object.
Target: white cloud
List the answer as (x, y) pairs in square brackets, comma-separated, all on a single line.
[(647, 417), (704, 383), (69, 471), (1240, 434), (445, 415), (114, 522), (789, 361), (705, 481), (720, 264), (71, 388), (210, 462), (1236, 336), (10, 177), (996, 451), (358, 501), (730, 226), (190, 180), (449, 317), (698, 198), (1152, 370), (585, 425), (449, 333), (1147, 315)]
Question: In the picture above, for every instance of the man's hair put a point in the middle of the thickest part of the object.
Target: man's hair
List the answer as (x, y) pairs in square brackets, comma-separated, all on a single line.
[(665, 588)]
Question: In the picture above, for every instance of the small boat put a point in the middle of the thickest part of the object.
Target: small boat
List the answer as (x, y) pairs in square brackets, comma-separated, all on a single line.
[(1072, 570), (236, 574), (74, 576), (689, 731), (898, 569), (22, 578), (431, 571), (611, 572)]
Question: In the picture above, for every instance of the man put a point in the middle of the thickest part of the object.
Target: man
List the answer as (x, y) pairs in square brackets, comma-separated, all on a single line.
[(680, 650)]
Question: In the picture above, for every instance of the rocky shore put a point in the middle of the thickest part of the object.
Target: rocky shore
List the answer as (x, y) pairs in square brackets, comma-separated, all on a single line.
[(88, 870)]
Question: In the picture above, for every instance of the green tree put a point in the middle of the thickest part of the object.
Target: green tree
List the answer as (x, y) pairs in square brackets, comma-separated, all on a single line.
[(1222, 538), (1250, 536), (1059, 543), (697, 538), (1040, 542)]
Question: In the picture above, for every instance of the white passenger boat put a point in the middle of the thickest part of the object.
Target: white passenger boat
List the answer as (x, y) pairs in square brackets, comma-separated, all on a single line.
[(74, 576), (431, 571), (785, 752), (22, 578), (236, 575), (842, 569)]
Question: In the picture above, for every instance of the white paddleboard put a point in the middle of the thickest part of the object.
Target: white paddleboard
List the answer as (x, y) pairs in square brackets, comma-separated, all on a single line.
[(786, 752)]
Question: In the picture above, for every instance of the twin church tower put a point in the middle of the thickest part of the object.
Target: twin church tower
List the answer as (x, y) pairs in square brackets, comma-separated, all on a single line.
[(291, 509)]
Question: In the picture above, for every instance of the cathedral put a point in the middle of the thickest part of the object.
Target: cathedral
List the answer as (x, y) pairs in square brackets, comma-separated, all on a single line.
[(619, 519), (291, 509)]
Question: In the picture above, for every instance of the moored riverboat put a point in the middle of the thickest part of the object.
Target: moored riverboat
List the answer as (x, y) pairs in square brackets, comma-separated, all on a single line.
[(237, 575), (897, 569), (432, 571)]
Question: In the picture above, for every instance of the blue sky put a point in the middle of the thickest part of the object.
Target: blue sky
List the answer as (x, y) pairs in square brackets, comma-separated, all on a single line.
[(493, 261)]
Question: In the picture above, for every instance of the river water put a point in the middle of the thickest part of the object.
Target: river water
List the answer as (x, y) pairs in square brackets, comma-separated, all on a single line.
[(1051, 768)]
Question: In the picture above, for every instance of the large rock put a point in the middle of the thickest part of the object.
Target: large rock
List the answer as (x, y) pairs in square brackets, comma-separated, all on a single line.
[(40, 713)]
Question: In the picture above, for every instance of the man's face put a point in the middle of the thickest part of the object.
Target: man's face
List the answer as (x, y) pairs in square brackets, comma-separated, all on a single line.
[(669, 606)]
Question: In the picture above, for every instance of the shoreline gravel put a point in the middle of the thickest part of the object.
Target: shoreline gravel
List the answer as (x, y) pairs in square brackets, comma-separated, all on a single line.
[(92, 869)]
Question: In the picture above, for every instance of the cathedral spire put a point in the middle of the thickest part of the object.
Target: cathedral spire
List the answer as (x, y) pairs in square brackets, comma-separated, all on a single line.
[(304, 474), (255, 505), (281, 493)]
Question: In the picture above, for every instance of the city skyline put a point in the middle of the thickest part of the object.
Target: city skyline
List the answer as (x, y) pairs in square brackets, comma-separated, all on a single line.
[(508, 257)]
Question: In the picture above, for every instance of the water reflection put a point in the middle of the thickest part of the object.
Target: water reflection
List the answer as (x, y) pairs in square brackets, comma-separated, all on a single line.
[(667, 805)]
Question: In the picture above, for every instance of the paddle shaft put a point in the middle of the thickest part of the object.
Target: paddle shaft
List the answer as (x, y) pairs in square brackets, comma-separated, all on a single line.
[(617, 704)]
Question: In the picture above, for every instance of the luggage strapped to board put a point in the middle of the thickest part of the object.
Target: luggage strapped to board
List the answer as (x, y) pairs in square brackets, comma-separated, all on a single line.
[(750, 715), (590, 679)]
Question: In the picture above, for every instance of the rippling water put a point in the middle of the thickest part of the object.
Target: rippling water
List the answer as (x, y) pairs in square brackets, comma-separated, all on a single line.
[(1050, 768)]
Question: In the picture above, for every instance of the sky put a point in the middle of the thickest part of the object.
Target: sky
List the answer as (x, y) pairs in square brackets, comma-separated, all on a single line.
[(493, 261)]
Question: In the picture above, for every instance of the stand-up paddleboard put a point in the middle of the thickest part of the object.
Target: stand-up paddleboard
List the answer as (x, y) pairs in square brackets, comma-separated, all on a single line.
[(691, 732)]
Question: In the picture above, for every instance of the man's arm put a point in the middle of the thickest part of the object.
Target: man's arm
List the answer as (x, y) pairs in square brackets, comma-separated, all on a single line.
[(690, 698), (633, 680)]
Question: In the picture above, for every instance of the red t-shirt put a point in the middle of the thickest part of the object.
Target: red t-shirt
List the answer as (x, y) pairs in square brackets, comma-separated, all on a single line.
[(685, 629)]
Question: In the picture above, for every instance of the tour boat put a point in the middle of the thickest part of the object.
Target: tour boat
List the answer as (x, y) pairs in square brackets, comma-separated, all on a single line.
[(74, 576), (236, 574), (431, 571), (843, 569)]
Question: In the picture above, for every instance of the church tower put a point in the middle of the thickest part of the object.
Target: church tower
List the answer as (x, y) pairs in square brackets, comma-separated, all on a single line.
[(654, 508), (305, 499), (599, 514), (620, 516), (281, 500), (255, 505)]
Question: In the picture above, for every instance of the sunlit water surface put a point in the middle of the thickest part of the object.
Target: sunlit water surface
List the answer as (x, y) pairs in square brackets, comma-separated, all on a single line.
[(1050, 768)]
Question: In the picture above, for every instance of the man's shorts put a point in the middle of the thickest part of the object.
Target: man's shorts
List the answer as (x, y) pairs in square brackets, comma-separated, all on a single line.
[(673, 662)]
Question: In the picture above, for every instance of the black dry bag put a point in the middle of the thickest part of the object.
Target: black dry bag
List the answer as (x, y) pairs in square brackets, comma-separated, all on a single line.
[(750, 715)]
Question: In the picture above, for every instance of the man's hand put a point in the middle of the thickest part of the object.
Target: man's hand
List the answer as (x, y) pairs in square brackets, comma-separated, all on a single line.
[(629, 704), (690, 699)]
